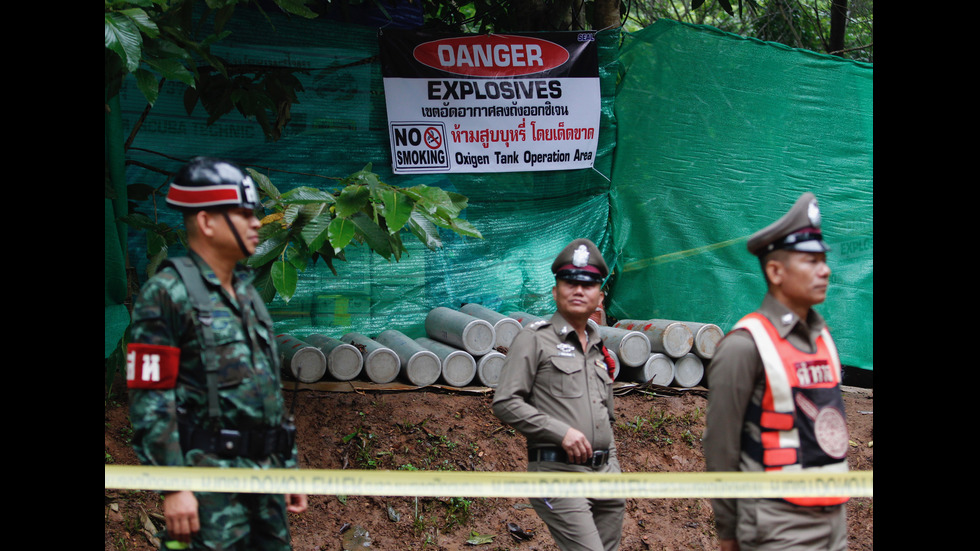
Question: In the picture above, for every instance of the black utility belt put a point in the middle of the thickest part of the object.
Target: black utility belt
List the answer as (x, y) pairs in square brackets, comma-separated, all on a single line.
[(599, 457), (257, 444)]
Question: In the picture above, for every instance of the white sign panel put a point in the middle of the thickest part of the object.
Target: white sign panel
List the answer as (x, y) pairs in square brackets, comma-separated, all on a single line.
[(491, 103)]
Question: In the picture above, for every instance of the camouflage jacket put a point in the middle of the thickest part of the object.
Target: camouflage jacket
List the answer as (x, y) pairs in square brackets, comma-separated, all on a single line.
[(249, 389)]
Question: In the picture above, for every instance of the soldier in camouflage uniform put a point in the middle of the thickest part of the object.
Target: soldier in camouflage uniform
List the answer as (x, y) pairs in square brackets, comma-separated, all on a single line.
[(203, 369)]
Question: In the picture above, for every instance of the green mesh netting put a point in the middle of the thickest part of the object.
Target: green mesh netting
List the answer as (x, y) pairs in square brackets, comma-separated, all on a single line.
[(718, 136), (712, 137)]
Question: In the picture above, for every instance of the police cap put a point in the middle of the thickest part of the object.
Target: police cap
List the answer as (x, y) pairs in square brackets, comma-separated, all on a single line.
[(797, 230), (208, 183), (580, 261)]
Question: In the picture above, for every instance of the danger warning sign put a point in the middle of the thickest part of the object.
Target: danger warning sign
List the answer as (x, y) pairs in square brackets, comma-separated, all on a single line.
[(491, 103)]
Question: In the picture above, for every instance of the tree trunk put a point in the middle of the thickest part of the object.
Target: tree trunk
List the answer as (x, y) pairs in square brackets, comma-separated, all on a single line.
[(838, 23), (606, 14)]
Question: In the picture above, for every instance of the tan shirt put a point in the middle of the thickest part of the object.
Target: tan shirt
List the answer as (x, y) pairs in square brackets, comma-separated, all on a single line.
[(549, 384), (737, 377)]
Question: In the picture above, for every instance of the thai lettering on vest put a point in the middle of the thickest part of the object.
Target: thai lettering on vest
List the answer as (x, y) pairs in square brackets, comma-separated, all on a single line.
[(814, 373)]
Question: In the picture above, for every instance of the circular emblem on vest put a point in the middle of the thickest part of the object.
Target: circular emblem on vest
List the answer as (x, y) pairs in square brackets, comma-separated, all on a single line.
[(831, 432)]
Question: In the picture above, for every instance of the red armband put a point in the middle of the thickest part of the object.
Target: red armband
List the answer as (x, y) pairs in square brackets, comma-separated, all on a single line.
[(152, 366), (610, 363)]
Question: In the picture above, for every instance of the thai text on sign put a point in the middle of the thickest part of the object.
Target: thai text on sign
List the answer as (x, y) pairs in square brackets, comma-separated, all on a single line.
[(491, 103)]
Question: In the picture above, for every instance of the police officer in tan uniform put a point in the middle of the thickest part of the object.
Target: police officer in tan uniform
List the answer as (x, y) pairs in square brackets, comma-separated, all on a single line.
[(775, 402), (556, 389)]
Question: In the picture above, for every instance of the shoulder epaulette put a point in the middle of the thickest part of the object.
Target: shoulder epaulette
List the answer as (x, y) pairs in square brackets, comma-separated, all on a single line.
[(538, 324)]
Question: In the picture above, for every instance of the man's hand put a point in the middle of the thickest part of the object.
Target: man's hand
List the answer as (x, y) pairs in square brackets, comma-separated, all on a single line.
[(577, 446), (728, 545), (296, 503), (180, 510)]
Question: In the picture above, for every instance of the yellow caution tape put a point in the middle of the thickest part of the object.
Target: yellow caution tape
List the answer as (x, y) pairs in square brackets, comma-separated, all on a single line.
[(491, 484)]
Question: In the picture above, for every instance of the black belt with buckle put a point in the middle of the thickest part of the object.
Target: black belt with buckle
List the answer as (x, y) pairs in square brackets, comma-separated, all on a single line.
[(599, 457), (256, 443)]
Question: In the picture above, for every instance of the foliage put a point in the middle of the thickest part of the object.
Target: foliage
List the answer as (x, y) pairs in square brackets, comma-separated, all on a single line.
[(477, 538), (157, 40), (457, 512), (488, 16), (307, 224), (804, 24)]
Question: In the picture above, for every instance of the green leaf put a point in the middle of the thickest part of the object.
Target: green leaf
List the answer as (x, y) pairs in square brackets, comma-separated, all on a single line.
[(141, 221), (155, 244), (190, 99), (352, 199), (463, 227), (147, 85), (263, 283), (477, 538), (291, 213), (142, 20), (425, 231), (172, 69), (296, 7), (316, 232), (428, 197), (438, 203), (264, 183), (451, 206), (397, 209), (298, 258), (458, 225), (340, 233), (284, 278), (373, 235), (270, 248), (397, 248), (154, 261), (328, 255), (140, 192), (122, 36), (458, 202), (307, 195), (364, 176)]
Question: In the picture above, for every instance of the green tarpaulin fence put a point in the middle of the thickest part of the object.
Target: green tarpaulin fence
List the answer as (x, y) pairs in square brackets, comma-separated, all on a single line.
[(704, 138)]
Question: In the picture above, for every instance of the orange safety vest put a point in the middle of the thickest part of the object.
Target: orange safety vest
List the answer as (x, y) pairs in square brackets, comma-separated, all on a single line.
[(802, 413)]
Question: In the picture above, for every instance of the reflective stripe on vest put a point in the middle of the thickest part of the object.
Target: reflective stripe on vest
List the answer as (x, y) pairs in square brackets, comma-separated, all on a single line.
[(785, 366)]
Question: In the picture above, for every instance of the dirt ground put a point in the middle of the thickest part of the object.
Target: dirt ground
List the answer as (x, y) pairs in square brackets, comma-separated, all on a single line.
[(657, 430)]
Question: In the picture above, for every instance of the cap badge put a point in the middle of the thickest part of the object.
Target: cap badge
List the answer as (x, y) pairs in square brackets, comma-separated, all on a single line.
[(580, 258), (813, 213)]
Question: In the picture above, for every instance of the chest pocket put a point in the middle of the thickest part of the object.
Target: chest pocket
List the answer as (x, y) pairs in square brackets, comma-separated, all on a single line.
[(564, 377), (231, 349), (603, 373)]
